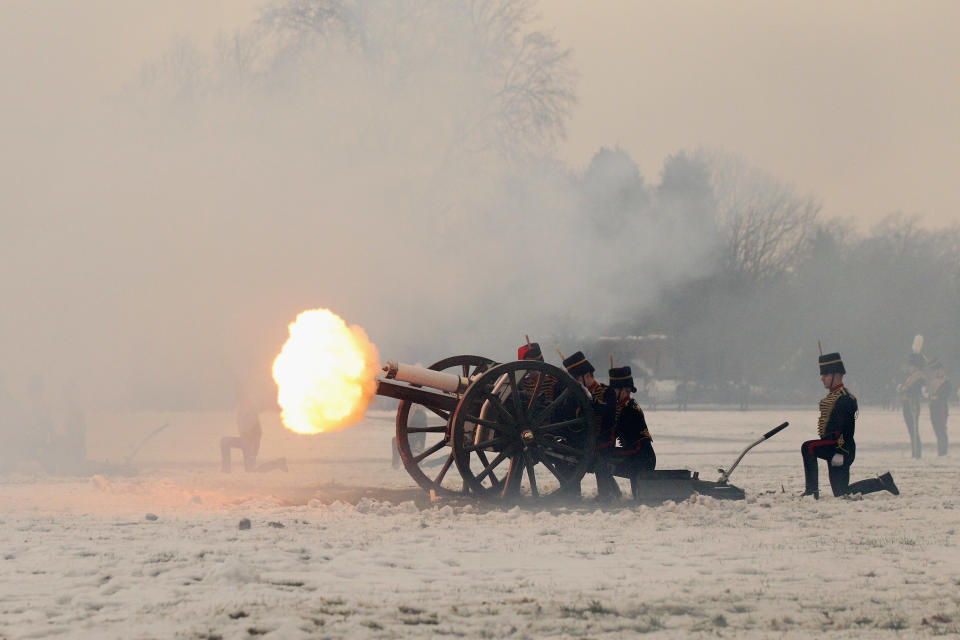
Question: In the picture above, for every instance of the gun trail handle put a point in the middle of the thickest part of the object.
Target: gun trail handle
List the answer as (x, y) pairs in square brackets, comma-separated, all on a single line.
[(776, 430)]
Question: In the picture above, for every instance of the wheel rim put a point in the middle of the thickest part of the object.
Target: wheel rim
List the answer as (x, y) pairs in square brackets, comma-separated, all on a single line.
[(425, 450), (535, 448)]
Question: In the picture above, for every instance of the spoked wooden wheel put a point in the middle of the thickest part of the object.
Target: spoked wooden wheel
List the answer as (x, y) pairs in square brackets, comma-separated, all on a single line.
[(423, 434), (509, 443)]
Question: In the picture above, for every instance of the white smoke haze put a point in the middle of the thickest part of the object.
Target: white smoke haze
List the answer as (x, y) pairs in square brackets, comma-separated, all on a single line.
[(389, 160)]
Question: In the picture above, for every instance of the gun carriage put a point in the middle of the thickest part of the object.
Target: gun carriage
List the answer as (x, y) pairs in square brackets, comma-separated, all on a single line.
[(522, 428), (515, 430)]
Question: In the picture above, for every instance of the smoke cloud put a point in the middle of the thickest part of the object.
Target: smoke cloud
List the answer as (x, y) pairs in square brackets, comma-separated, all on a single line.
[(392, 163)]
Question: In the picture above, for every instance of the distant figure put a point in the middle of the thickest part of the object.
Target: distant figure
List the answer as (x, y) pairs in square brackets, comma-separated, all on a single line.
[(248, 426), (941, 390), (683, 395), (38, 425), (835, 428), (652, 393), (910, 392)]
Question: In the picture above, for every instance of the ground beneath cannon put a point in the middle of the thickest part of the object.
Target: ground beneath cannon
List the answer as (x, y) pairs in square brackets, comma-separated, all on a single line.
[(345, 546)]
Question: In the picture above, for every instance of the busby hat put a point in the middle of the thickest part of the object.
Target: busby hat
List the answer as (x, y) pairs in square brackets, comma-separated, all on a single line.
[(831, 363), (577, 365), (917, 360), (622, 378), (530, 352)]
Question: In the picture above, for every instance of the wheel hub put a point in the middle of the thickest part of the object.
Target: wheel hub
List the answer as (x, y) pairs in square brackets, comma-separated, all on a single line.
[(527, 436)]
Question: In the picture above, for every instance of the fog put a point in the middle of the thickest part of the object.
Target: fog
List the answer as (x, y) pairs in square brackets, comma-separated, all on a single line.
[(390, 163), (397, 163)]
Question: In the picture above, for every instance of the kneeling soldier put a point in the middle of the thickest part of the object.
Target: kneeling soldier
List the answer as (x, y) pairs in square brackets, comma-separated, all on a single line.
[(604, 406), (838, 413), (635, 453)]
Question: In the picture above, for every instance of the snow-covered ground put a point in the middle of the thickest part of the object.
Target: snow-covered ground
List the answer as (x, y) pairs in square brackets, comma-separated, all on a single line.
[(345, 546)]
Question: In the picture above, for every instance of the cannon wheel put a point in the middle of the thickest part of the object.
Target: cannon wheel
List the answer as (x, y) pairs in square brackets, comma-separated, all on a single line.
[(431, 446), (524, 449)]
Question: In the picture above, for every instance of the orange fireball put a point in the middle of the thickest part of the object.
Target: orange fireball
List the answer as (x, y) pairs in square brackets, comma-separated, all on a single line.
[(325, 373)]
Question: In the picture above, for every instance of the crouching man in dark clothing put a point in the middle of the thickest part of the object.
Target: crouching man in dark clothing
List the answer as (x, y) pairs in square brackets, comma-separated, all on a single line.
[(634, 452), (835, 427), (604, 407)]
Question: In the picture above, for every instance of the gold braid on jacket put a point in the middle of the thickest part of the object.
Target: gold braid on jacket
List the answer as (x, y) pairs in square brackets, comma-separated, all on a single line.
[(826, 408)]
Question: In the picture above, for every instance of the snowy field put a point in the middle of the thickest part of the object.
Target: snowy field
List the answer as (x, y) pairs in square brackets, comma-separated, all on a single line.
[(344, 546)]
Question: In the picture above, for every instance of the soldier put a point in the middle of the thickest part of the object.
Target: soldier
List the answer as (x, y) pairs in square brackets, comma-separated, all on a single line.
[(835, 427), (536, 388), (604, 406), (910, 392), (248, 441), (635, 451), (940, 390)]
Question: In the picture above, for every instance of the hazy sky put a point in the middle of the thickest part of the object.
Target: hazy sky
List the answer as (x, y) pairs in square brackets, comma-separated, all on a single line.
[(856, 101)]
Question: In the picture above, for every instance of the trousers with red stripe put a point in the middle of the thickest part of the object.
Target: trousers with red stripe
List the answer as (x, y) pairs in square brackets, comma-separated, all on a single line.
[(814, 450)]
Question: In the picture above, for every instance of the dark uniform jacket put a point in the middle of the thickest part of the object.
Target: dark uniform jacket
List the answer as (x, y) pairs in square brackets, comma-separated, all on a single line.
[(838, 414), (912, 387), (605, 413), (630, 428)]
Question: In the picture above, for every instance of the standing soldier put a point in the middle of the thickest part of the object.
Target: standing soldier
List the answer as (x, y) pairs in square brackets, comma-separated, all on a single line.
[(910, 392), (838, 414), (604, 406), (941, 390), (635, 453)]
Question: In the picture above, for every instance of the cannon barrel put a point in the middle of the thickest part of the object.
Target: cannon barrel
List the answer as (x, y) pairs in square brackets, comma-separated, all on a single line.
[(424, 377)]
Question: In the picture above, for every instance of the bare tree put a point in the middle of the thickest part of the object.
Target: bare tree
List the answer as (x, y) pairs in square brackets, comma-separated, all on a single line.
[(526, 76), (768, 225)]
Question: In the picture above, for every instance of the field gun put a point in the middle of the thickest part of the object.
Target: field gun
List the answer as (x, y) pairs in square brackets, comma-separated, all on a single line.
[(516, 430)]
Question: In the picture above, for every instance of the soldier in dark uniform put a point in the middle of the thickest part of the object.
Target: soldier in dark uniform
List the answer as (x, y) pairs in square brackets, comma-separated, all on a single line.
[(604, 407), (634, 452), (941, 390), (835, 427), (538, 389), (910, 393)]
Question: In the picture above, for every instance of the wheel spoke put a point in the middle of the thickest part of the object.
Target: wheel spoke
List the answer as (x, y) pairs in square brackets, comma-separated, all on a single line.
[(555, 426), (502, 410), (562, 448), (429, 452), (466, 370), (531, 475), (496, 426), (514, 477), (515, 392), (560, 456), (492, 442), (553, 469), (536, 390), (440, 412), (488, 470), (443, 470), (437, 429), (548, 410)]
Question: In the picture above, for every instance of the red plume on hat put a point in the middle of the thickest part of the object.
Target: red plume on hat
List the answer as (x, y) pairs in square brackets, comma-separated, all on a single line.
[(529, 352)]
